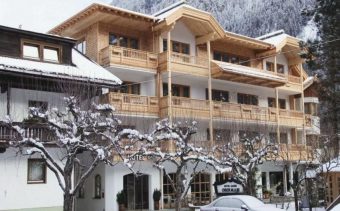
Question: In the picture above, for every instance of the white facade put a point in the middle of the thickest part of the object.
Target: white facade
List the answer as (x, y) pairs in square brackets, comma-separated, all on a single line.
[(16, 193)]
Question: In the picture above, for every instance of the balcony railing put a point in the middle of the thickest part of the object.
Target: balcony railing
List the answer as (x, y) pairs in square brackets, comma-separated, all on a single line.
[(31, 130), (127, 56), (187, 107), (294, 79), (184, 63), (132, 104)]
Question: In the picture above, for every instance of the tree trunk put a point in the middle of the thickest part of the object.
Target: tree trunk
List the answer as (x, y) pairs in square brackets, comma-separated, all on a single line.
[(179, 187), (68, 202), (296, 201)]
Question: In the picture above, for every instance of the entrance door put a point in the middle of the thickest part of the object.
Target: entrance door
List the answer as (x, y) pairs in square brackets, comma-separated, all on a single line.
[(137, 189)]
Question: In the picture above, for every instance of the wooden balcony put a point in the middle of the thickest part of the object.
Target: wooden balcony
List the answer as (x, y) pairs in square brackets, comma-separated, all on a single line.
[(32, 130), (295, 152), (184, 63), (194, 108), (132, 104), (127, 56)]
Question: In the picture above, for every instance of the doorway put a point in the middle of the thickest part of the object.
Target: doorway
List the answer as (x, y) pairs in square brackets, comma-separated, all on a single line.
[(137, 191)]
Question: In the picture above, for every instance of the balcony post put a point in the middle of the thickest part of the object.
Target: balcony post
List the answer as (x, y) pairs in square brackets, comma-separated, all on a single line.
[(277, 115), (303, 107), (275, 64), (169, 75), (211, 131)]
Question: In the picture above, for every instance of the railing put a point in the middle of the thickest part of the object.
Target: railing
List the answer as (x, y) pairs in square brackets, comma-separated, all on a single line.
[(31, 130), (295, 152), (132, 103), (184, 58), (127, 56), (182, 106), (294, 79)]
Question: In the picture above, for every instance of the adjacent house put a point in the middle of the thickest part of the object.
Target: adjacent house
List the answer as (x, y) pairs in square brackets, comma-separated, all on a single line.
[(38, 70)]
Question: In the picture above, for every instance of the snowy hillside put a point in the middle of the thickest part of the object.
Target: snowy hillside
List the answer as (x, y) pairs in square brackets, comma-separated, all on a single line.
[(248, 17)]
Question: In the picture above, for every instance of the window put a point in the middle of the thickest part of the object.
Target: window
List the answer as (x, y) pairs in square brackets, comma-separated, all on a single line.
[(218, 95), (272, 103), (177, 47), (130, 88), (36, 171), (123, 41), (279, 67), (235, 59), (31, 51), (220, 135), (168, 190), (242, 134), (81, 46), (41, 51), (283, 138), (247, 99), (41, 105), (311, 108), (97, 186), (200, 189), (177, 90), (51, 54), (222, 177)]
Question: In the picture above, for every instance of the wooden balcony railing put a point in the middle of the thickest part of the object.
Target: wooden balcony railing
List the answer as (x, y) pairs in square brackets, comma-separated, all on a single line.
[(294, 79), (31, 130), (187, 107), (132, 104), (193, 60), (295, 152), (184, 63), (127, 56)]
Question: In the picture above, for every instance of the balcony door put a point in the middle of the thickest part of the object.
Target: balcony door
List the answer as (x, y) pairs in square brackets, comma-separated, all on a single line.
[(137, 191)]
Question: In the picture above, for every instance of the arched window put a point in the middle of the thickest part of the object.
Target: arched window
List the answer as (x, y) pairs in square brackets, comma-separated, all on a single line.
[(97, 186)]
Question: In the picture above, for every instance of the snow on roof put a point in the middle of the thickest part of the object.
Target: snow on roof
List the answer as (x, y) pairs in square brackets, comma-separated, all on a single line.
[(239, 69), (332, 166), (308, 82), (275, 38), (124, 10), (84, 69), (160, 15)]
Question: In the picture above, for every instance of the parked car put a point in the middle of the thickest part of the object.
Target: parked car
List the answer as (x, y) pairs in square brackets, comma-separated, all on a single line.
[(336, 208), (238, 203)]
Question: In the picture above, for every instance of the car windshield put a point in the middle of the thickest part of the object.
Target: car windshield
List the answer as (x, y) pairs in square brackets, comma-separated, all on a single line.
[(252, 201)]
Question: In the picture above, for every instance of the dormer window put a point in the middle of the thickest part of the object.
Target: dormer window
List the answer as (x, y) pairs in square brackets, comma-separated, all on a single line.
[(31, 51), (51, 54), (40, 51)]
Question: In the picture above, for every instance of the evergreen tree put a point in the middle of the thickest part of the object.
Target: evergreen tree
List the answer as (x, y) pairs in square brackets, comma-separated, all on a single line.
[(323, 58)]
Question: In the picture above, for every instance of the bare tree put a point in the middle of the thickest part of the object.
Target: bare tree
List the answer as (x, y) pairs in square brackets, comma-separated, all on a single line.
[(245, 157), (94, 131), (182, 153)]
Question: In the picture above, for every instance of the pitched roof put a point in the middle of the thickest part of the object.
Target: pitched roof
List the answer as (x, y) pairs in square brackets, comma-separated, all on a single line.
[(83, 69)]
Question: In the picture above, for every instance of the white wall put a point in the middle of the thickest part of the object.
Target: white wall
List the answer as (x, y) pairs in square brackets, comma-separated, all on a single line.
[(280, 59), (114, 182), (19, 101), (15, 193), (181, 33), (3, 105), (89, 202), (148, 87), (199, 85)]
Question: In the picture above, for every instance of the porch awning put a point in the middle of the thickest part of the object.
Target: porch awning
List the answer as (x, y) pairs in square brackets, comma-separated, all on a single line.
[(243, 74)]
